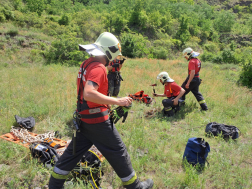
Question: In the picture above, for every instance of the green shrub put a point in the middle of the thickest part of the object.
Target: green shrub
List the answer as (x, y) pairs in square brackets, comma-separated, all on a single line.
[(211, 47), (12, 31), (217, 59), (246, 75), (36, 6), (28, 19), (120, 24), (6, 14), (20, 40), (64, 20), (207, 56), (134, 45), (2, 17), (228, 56), (65, 51), (9, 15), (136, 13), (160, 53), (183, 33), (224, 21)]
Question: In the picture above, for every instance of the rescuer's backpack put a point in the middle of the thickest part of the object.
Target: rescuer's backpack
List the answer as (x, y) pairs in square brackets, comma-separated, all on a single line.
[(196, 151), (226, 131), (141, 97), (45, 153), (89, 170)]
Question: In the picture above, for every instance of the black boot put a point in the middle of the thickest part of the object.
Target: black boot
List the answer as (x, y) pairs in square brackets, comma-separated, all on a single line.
[(140, 185), (176, 109), (204, 107), (168, 112), (147, 184), (181, 102)]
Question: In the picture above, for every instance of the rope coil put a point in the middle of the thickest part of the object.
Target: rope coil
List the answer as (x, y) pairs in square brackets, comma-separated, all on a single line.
[(24, 135)]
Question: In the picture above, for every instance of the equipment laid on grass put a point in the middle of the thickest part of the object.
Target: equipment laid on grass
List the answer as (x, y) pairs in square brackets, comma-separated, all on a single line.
[(141, 97), (196, 151), (48, 150), (120, 111), (226, 131), (23, 137)]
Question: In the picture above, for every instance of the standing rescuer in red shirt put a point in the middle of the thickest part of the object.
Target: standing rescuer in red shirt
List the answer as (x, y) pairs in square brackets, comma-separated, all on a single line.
[(193, 80), (172, 91), (114, 76), (94, 123)]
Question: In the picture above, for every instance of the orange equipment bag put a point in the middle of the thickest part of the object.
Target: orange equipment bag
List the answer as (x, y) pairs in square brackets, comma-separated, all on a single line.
[(141, 97)]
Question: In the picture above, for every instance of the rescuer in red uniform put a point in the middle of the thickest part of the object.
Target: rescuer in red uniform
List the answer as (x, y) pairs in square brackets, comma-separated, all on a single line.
[(94, 123), (114, 76), (172, 91), (193, 80)]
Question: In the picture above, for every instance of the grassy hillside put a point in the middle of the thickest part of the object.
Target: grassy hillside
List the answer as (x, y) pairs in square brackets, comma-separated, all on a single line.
[(39, 62), (156, 144)]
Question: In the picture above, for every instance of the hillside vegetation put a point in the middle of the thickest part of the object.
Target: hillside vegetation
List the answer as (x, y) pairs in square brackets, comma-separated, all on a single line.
[(40, 59), (50, 29)]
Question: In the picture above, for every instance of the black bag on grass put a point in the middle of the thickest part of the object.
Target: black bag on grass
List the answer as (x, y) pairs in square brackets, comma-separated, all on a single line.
[(46, 154), (27, 123), (196, 151), (227, 131)]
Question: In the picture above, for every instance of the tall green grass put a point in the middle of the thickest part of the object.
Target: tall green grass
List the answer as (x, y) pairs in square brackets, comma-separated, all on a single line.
[(155, 144)]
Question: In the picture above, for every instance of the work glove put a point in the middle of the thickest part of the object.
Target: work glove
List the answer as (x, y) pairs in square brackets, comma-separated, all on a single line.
[(120, 111)]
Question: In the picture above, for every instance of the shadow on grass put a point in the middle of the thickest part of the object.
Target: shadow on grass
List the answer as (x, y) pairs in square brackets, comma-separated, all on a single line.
[(158, 113)]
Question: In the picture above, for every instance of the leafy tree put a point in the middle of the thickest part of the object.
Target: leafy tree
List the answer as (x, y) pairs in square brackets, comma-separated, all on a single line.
[(36, 6), (65, 51), (224, 21), (249, 23), (183, 33), (134, 45), (246, 74), (64, 20), (135, 15)]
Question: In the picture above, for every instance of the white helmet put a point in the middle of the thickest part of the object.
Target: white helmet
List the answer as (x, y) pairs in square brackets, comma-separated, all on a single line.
[(106, 44), (188, 53), (164, 76)]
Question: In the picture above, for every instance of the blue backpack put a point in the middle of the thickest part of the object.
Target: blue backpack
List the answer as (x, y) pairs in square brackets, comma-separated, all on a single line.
[(196, 151)]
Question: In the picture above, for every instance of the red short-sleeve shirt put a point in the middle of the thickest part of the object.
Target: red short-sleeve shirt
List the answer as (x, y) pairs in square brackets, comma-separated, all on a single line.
[(95, 72), (172, 89), (194, 64)]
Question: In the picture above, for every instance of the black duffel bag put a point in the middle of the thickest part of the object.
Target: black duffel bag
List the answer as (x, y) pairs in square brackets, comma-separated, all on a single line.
[(226, 131)]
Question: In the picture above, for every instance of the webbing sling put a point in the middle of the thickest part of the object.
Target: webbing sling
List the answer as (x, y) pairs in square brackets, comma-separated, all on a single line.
[(197, 74), (203, 150), (171, 90), (81, 81)]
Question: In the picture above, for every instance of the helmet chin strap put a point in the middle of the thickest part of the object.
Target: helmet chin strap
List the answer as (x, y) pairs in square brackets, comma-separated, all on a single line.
[(107, 61)]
